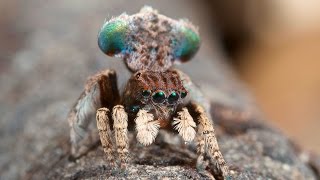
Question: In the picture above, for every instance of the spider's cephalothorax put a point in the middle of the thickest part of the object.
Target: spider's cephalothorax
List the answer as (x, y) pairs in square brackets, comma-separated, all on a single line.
[(156, 96), (158, 93)]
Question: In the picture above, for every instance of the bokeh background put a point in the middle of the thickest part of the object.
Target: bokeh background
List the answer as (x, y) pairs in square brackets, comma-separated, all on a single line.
[(273, 46)]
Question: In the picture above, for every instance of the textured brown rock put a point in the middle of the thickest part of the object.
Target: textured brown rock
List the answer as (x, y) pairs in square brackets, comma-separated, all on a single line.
[(47, 75)]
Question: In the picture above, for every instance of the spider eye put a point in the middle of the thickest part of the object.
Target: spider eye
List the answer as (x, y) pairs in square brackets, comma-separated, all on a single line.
[(188, 45), (173, 97), (146, 93), (111, 38), (134, 108), (183, 94), (159, 97)]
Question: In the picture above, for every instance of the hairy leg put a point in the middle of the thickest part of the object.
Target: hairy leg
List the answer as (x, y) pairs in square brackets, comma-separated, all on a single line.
[(100, 91), (207, 140), (120, 125), (147, 129), (103, 125), (185, 125)]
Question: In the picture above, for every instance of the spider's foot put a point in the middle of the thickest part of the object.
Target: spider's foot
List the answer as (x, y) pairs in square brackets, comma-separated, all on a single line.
[(114, 171), (78, 151), (112, 164), (229, 177), (201, 164), (123, 166), (123, 169), (206, 174), (120, 171)]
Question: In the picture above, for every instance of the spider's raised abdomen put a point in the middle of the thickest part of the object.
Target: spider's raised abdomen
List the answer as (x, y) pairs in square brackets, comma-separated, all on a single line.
[(148, 40)]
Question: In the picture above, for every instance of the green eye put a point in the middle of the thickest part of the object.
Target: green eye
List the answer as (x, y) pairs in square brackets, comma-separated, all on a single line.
[(159, 97), (111, 39), (183, 94), (189, 44), (146, 93), (173, 97), (134, 108)]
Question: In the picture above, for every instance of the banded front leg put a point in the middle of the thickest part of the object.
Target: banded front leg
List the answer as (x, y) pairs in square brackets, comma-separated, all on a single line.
[(120, 125), (207, 140), (103, 125)]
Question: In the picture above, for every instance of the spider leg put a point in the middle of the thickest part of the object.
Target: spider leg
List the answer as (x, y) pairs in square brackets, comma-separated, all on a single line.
[(201, 163), (147, 129), (103, 125), (207, 141), (185, 125), (100, 91), (120, 124)]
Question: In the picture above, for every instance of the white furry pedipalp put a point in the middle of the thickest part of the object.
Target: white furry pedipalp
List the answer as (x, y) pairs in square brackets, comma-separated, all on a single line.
[(185, 125), (147, 129)]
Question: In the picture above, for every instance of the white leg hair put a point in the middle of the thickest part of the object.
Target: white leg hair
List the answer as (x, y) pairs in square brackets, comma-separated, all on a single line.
[(185, 125), (120, 124), (103, 125), (147, 129)]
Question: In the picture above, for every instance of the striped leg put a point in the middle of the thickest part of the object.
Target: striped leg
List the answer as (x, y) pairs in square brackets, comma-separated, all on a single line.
[(103, 125), (120, 124), (209, 140)]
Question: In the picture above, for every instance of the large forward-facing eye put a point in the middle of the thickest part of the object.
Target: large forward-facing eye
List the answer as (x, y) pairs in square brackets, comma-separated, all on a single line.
[(173, 97), (111, 38), (188, 43), (159, 97)]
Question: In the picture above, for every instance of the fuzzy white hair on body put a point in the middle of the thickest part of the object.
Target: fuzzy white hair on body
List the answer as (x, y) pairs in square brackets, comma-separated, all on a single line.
[(147, 129), (185, 125)]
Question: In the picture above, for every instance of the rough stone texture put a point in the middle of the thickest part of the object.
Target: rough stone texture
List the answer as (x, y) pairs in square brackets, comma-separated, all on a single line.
[(46, 75)]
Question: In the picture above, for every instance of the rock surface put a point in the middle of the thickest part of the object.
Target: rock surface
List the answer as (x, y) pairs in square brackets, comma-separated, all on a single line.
[(46, 75)]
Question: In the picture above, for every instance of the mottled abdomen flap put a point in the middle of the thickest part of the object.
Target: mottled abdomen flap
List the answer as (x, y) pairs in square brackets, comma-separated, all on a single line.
[(149, 40)]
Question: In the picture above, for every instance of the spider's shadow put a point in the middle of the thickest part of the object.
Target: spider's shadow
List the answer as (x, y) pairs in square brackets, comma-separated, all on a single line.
[(164, 153)]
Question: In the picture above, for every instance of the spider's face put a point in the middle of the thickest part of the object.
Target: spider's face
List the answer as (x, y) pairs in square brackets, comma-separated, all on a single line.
[(156, 92)]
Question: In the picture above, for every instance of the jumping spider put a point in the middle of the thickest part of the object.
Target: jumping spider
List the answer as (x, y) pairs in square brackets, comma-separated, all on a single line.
[(156, 96)]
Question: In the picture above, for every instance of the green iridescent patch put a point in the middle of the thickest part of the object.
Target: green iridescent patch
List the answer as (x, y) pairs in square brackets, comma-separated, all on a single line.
[(112, 36), (189, 44)]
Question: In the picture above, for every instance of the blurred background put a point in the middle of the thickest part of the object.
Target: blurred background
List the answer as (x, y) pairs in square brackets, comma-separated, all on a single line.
[(275, 48), (49, 47)]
